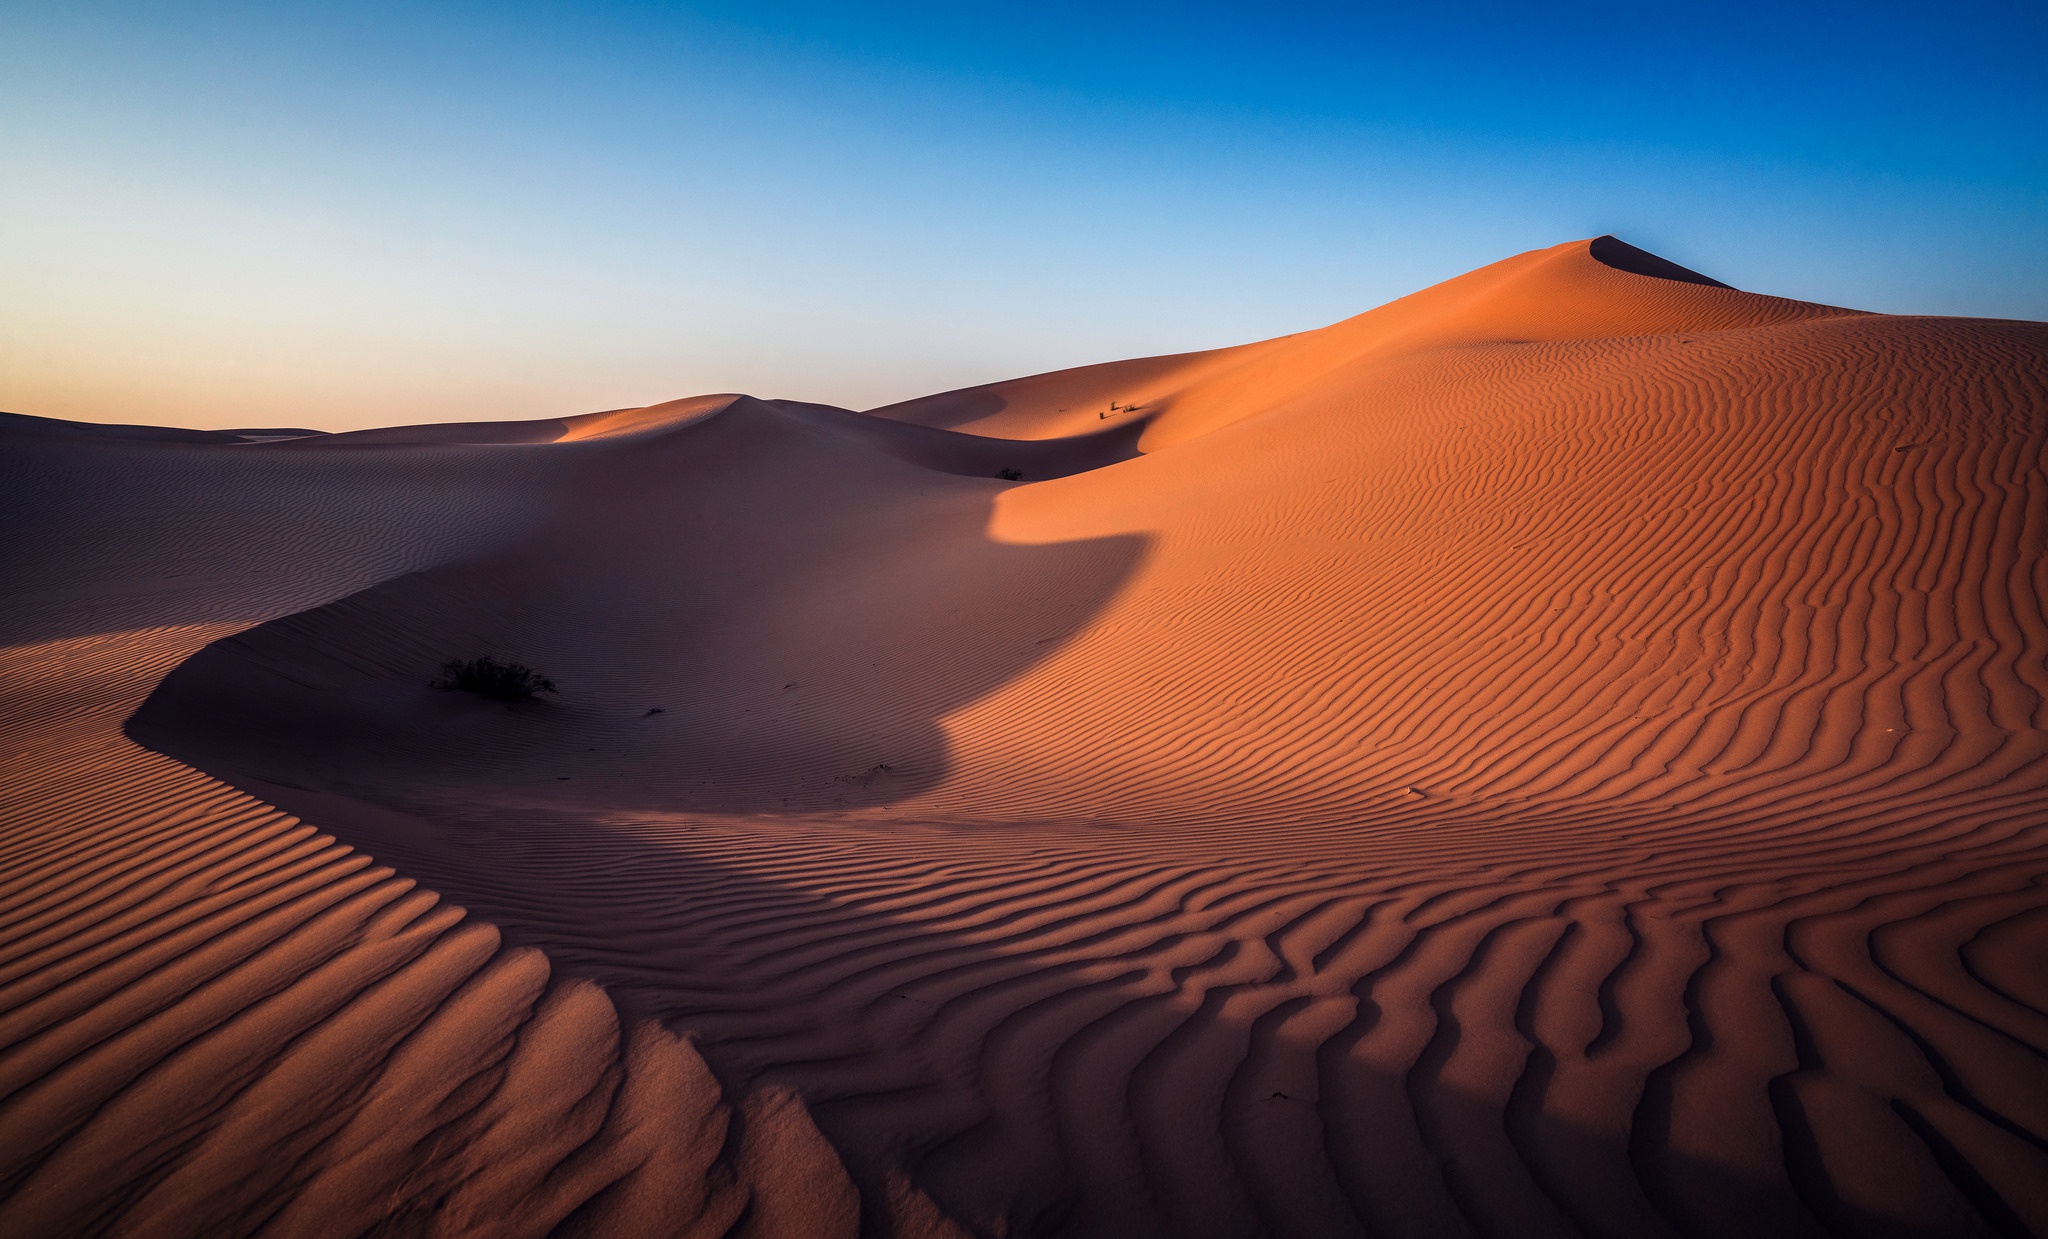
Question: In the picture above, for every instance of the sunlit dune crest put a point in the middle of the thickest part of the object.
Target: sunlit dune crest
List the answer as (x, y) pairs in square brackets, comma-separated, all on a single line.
[(1561, 753)]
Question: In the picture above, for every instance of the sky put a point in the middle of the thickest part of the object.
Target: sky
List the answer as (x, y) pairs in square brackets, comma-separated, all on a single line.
[(338, 216)]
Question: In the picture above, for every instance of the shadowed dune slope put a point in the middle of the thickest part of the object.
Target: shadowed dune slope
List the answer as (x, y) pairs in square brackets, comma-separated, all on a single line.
[(1562, 753), (217, 1020)]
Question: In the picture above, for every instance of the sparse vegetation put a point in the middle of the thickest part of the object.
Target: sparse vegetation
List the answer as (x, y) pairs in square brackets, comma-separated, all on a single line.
[(1010, 475), (487, 677)]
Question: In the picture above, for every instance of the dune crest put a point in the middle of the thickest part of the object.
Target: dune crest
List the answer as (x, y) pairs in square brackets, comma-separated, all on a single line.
[(1561, 753), (1622, 256)]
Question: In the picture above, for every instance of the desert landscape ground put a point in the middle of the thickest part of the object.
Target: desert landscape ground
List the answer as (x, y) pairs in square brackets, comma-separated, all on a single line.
[(1562, 753)]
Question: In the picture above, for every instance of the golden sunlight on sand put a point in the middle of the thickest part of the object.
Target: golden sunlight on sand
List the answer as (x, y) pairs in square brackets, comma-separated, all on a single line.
[(1562, 753)]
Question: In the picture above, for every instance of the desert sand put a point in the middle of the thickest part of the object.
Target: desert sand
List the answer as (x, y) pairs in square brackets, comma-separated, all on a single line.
[(1563, 753)]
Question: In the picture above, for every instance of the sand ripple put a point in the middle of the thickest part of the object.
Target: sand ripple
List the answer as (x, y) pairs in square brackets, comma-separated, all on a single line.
[(1563, 753)]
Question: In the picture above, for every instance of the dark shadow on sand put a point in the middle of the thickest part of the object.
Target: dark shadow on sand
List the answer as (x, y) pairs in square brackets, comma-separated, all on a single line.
[(908, 1036), (753, 617), (930, 1045)]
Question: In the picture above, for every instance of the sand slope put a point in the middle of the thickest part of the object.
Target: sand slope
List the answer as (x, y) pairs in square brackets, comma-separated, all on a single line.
[(1561, 753)]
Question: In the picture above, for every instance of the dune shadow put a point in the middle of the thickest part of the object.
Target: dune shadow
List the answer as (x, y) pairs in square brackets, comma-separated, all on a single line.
[(979, 456), (745, 619), (1035, 1047), (1037, 1033), (110, 534)]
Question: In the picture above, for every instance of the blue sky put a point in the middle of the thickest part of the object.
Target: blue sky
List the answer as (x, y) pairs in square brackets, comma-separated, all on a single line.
[(216, 214)]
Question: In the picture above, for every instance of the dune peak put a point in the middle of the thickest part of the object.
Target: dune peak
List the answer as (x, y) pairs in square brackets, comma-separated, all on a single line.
[(1622, 256), (1557, 753)]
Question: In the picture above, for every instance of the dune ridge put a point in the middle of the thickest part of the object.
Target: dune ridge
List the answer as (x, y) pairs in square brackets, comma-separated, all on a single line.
[(220, 1021), (215, 1019), (1561, 753)]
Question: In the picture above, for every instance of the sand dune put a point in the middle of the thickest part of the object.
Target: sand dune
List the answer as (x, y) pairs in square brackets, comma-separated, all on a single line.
[(1561, 753)]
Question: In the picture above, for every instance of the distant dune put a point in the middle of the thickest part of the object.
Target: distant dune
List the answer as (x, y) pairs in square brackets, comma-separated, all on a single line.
[(1563, 753)]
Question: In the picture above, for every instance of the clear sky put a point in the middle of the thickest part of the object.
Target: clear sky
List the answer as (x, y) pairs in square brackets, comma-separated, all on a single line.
[(350, 215)]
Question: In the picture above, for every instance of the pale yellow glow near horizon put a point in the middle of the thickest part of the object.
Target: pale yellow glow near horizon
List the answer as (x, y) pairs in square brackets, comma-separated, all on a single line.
[(210, 317), (239, 359)]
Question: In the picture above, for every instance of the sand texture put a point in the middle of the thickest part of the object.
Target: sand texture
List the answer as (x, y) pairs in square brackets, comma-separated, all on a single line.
[(1563, 753)]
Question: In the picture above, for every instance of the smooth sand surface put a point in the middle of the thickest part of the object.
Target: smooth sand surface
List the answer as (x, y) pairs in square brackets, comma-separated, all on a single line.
[(1562, 753)]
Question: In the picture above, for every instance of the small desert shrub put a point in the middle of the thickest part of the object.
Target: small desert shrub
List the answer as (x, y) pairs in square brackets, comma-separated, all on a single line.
[(1010, 475), (487, 677)]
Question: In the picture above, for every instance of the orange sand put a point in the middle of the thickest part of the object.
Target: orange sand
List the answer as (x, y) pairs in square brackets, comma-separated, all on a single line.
[(1562, 753)]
